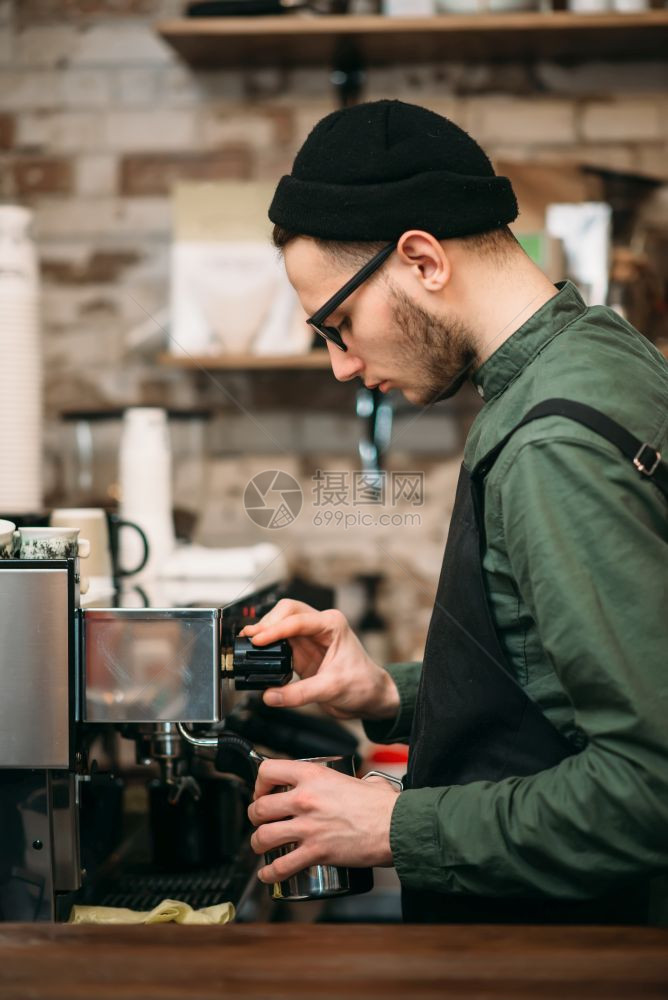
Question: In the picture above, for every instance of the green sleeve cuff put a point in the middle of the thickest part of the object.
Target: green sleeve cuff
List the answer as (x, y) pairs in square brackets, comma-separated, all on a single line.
[(415, 841), (407, 677)]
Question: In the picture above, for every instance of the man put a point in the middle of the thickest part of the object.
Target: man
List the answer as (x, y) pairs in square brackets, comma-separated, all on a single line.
[(537, 785)]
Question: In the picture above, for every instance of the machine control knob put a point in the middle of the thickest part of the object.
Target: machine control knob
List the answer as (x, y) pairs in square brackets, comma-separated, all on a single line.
[(256, 668)]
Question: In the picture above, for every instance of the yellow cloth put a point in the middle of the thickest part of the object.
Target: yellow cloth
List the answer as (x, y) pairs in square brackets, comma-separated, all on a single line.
[(169, 911)]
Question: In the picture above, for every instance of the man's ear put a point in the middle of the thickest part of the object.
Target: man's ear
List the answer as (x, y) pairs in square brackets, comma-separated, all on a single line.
[(425, 255)]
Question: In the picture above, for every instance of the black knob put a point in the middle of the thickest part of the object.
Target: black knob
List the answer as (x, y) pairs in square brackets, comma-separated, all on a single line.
[(256, 668)]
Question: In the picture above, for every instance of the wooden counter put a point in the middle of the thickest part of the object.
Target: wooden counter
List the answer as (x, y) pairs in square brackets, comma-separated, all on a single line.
[(337, 962)]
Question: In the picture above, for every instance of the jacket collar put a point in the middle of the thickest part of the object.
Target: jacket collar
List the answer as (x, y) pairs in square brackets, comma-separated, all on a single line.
[(513, 356)]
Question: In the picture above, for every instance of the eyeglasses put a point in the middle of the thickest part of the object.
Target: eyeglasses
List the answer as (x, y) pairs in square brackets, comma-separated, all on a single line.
[(317, 320)]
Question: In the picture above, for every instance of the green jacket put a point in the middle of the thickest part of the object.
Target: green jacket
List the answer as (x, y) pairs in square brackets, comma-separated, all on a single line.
[(576, 568)]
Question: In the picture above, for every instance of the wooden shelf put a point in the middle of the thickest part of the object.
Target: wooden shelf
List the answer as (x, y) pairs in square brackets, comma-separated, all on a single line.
[(302, 40), (315, 360)]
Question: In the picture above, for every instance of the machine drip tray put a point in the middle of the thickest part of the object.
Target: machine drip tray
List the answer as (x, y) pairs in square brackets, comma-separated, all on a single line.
[(203, 888), (129, 878)]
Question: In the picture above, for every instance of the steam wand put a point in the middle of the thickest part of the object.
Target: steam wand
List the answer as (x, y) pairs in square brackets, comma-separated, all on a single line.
[(234, 754)]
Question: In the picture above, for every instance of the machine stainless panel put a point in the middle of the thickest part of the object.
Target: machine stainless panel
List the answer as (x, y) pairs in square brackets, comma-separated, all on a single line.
[(35, 623), (151, 665)]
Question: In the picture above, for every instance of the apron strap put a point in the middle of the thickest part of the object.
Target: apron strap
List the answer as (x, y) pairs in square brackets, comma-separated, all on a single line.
[(645, 458)]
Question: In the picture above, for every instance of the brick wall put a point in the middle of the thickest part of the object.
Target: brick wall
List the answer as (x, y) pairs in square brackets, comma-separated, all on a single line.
[(98, 118)]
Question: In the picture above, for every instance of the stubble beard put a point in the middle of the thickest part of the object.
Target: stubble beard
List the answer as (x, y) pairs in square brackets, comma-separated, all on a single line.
[(440, 355)]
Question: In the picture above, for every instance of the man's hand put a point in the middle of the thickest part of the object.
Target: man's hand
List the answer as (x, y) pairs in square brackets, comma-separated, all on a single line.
[(333, 818), (335, 670)]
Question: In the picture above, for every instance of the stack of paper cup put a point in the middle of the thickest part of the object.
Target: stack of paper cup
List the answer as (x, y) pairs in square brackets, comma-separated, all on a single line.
[(20, 365), (146, 488)]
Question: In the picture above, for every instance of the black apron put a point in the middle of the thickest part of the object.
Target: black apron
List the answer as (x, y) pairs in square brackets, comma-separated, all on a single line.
[(473, 721)]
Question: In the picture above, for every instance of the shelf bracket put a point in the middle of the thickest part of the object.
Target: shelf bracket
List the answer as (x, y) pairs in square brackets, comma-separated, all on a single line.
[(348, 73)]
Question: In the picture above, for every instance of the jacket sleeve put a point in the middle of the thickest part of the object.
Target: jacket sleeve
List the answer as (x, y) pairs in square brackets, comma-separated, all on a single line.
[(407, 677), (588, 544)]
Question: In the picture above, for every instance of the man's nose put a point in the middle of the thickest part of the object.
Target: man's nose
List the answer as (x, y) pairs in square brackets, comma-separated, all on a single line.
[(345, 364)]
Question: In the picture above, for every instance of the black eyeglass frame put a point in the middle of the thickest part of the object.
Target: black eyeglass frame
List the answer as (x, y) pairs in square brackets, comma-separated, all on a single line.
[(317, 320)]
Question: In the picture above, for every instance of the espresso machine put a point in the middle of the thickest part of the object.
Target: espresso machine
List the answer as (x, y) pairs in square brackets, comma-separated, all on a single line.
[(77, 822)]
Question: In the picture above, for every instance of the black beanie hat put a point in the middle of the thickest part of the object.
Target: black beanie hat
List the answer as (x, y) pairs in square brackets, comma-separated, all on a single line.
[(375, 170)]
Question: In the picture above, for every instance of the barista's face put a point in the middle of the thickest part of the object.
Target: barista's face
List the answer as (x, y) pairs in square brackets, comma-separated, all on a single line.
[(393, 341)]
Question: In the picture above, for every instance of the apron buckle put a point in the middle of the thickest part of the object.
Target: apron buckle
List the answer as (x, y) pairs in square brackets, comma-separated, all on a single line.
[(647, 459)]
